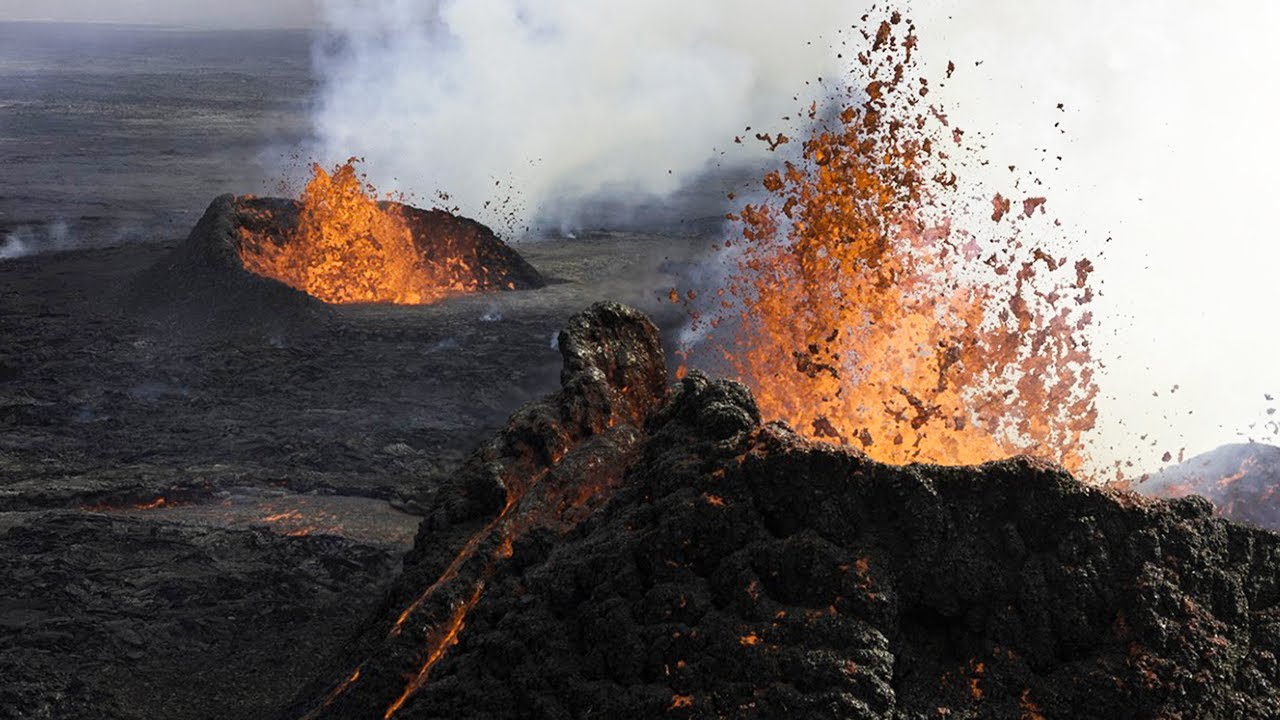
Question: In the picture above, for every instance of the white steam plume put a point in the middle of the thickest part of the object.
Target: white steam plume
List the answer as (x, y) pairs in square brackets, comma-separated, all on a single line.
[(562, 100), (1167, 145), (35, 239)]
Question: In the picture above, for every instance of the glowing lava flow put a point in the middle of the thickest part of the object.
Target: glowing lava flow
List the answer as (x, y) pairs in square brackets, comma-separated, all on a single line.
[(468, 551), (1246, 466), (441, 639), (349, 247), (444, 639), (535, 503), (500, 532), (859, 310), (336, 693)]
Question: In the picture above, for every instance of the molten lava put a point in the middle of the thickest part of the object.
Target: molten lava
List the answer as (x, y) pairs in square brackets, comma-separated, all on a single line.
[(439, 644), (349, 247), (860, 309)]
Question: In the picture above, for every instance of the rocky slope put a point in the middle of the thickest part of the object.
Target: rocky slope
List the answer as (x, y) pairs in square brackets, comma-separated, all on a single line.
[(621, 552)]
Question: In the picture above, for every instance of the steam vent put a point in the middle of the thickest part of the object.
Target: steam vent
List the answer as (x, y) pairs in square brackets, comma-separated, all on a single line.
[(623, 549), (272, 259)]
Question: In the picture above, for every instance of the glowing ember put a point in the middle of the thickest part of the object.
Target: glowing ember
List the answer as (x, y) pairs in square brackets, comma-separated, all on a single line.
[(336, 693), (1028, 710), (680, 701), (859, 311), (349, 247), (159, 502)]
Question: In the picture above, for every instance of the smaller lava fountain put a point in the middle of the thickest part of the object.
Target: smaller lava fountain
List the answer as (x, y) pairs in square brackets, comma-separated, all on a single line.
[(341, 244)]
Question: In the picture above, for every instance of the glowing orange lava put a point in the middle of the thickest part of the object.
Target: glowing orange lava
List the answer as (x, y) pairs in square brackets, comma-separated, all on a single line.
[(860, 310), (350, 247), (445, 638)]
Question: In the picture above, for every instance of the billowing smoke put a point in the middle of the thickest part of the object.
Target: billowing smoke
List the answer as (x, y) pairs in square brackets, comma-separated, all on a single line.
[(1142, 122), (554, 103)]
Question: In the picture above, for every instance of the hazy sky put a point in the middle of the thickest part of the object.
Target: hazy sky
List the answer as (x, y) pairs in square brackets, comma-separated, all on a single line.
[(1169, 149), (221, 14)]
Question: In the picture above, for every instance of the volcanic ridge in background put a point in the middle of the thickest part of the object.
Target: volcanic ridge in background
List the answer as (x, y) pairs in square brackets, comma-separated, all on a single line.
[(257, 263)]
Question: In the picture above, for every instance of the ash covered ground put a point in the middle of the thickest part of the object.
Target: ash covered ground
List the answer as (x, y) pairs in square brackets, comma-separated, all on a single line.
[(115, 133)]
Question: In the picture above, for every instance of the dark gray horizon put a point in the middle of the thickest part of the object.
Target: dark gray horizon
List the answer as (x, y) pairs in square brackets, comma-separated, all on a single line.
[(226, 15)]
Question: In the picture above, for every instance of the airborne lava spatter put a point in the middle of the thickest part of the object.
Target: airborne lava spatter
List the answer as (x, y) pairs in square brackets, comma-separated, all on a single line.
[(861, 309), (349, 247)]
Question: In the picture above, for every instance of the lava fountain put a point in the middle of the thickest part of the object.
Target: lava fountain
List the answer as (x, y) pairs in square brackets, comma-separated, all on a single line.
[(861, 306), (341, 243)]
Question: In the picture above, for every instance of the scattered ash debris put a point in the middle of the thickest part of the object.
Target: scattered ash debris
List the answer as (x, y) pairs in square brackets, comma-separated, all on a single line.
[(618, 552)]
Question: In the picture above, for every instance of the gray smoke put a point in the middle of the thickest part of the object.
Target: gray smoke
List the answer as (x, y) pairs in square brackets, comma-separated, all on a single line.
[(558, 102)]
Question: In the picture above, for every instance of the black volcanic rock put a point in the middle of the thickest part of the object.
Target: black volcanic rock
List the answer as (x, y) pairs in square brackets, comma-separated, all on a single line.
[(203, 282), (703, 565), (442, 234), (552, 465), (1242, 481)]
